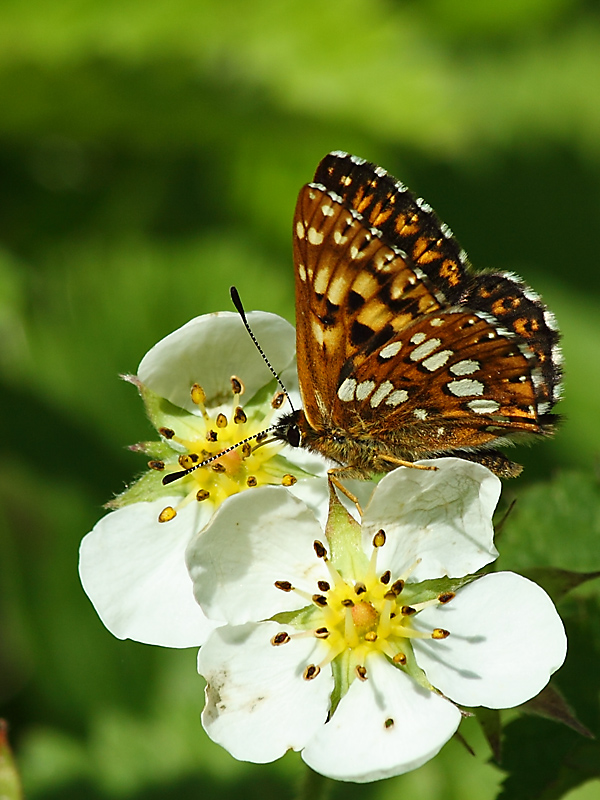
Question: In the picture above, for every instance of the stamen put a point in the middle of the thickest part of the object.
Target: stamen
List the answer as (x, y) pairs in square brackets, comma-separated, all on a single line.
[(252, 481), (311, 672), (361, 672), (237, 387), (246, 449), (359, 588), (386, 577), (202, 494), (211, 436), (221, 421), (278, 400), (157, 465), (167, 514), (400, 659), (323, 586), (320, 550), (446, 597), (239, 416), (440, 633), (218, 467), (288, 480), (168, 433), (319, 599), (280, 638), (322, 633), (285, 586), (408, 611), (379, 538)]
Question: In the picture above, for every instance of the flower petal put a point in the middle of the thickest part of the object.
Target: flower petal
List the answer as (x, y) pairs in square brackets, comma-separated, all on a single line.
[(384, 726), (255, 538), (258, 705), (443, 519), (210, 349), (133, 570), (506, 639)]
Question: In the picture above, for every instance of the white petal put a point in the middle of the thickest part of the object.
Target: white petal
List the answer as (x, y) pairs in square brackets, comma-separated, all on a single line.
[(443, 518), (210, 349), (254, 539), (133, 570), (359, 743), (258, 705), (506, 639)]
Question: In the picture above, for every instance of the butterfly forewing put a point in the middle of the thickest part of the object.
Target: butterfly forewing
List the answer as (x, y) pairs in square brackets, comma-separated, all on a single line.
[(403, 352)]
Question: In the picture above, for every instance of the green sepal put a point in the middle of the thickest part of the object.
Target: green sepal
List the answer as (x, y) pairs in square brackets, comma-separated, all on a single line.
[(343, 534)]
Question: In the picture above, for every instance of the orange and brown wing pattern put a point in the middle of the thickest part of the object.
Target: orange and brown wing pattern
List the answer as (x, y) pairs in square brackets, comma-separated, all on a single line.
[(353, 292)]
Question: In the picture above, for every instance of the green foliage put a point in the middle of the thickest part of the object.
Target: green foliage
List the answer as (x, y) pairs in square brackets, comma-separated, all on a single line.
[(150, 156)]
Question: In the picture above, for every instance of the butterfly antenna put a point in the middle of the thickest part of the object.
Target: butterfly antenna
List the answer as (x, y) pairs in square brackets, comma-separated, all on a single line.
[(237, 302), (175, 476)]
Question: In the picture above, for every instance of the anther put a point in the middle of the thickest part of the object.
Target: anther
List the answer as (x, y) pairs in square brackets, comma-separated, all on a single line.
[(239, 416), (288, 480), (445, 597), (408, 611), (278, 400), (379, 538), (167, 514), (198, 394), (359, 588), (157, 465), (285, 586), (400, 659), (440, 633), (237, 387), (246, 450), (251, 481), (168, 433), (202, 494), (397, 586), (361, 672), (186, 461), (322, 633), (323, 586), (211, 436), (217, 467), (221, 421), (311, 672), (320, 550), (370, 636), (348, 603), (280, 638), (319, 600), (386, 577), (260, 437)]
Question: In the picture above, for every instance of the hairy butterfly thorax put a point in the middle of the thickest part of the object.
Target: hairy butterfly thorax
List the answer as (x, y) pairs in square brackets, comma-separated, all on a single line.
[(404, 353)]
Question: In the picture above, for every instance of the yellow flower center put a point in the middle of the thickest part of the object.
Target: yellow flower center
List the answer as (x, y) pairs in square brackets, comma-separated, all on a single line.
[(222, 453), (360, 617)]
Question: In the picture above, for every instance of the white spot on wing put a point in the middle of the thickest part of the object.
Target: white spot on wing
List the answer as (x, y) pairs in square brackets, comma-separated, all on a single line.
[(328, 211), (465, 387), (301, 272), (382, 392), (398, 396), (438, 360), (390, 350), (314, 236), (420, 413), (364, 389), (300, 230), (418, 337), (466, 367), (436, 322), (346, 390), (424, 349), (483, 406)]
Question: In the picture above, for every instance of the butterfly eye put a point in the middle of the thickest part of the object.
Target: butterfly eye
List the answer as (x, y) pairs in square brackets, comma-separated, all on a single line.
[(293, 436)]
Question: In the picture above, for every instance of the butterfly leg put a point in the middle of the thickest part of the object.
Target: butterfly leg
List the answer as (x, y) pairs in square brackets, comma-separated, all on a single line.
[(333, 478), (399, 462)]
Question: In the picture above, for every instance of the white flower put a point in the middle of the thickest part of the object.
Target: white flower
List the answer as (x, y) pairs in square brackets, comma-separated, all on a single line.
[(335, 649), (206, 388)]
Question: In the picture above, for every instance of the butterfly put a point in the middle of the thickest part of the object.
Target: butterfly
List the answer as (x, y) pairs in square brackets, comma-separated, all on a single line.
[(403, 351)]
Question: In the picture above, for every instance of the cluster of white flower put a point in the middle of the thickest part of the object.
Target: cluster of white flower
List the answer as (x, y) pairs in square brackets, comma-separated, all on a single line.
[(355, 642)]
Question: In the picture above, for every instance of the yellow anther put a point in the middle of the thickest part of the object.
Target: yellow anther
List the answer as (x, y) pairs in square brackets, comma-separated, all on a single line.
[(198, 394), (202, 494), (237, 387), (167, 514), (239, 417), (288, 480), (379, 538), (221, 421)]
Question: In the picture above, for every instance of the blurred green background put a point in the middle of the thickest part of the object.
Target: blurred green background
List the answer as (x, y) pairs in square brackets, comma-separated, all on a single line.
[(150, 156)]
